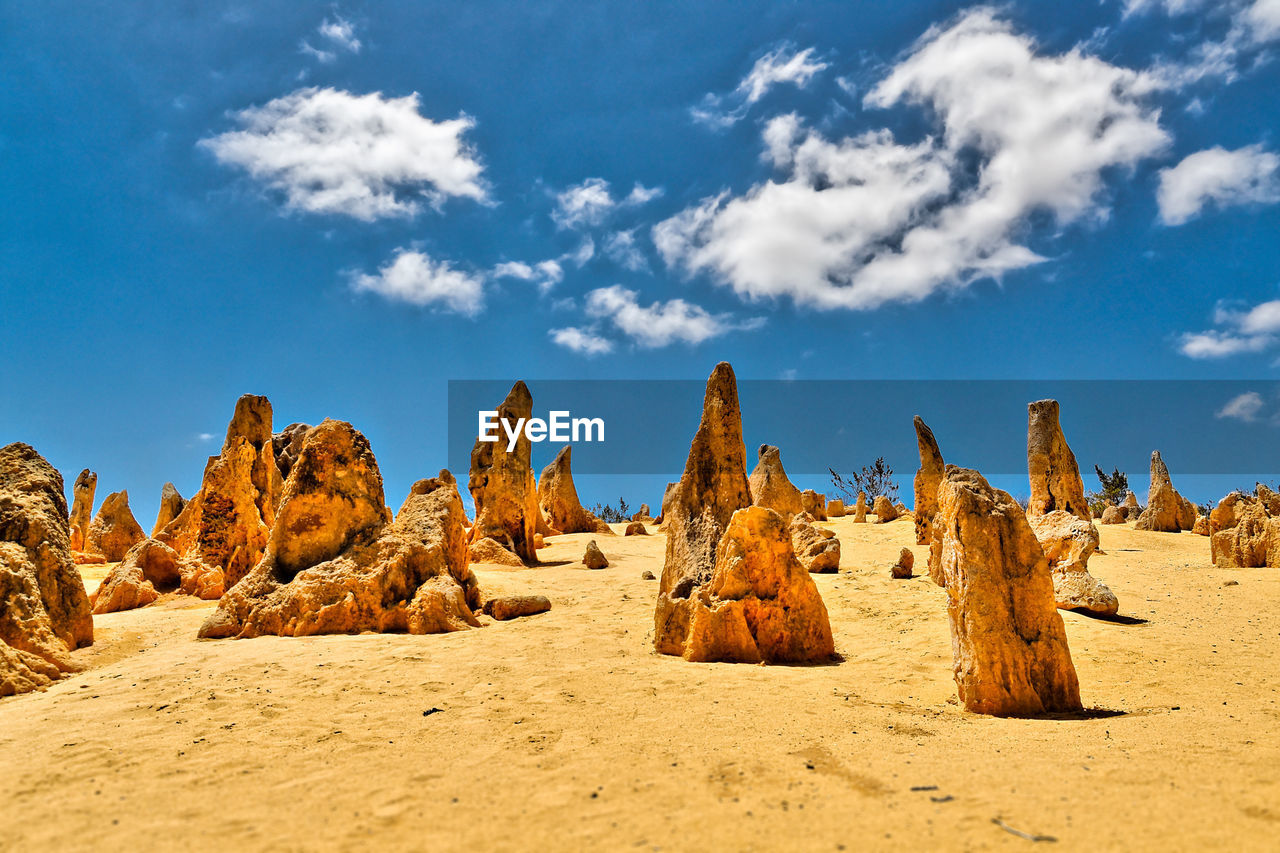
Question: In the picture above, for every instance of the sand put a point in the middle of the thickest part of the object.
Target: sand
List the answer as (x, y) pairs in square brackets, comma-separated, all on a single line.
[(566, 731)]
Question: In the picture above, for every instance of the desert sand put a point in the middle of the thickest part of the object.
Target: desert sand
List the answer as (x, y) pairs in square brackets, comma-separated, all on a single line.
[(567, 731)]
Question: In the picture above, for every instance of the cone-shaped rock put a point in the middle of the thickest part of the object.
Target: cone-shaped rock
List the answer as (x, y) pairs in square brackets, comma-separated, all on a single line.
[(594, 558), (1167, 511), (336, 563), (500, 483), (1008, 641), (114, 530), (82, 507), (44, 611), (884, 510), (696, 512), (171, 504), (1055, 477), (559, 498), (928, 478), (770, 486)]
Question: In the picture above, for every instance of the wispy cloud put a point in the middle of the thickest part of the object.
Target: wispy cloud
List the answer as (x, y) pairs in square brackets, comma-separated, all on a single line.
[(328, 151), (1220, 178), (545, 274), (590, 203), (337, 34), (785, 65), (660, 324), (415, 278), (1239, 331), (582, 341), (1244, 407)]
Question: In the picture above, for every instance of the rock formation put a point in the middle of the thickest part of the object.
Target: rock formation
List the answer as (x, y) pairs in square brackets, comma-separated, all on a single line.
[(1068, 542), (860, 509), (44, 612), (149, 569), (500, 482), (515, 606), (1167, 511), (1244, 530), (814, 503), (1131, 508), (1009, 643), (82, 507), (1113, 515), (287, 444), (336, 562), (902, 570), (171, 504), (594, 558), (642, 515), (636, 528), (1055, 477), (559, 499), (114, 530), (770, 486), (884, 510), (926, 482), (1201, 527), (835, 508), (666, 497), (817, 549)]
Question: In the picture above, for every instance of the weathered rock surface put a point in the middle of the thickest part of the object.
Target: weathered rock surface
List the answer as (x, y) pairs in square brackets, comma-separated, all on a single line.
[(171, 504), (770, 486), (490, 551), (636, 528), (860, 509), (666, 497), (1167, 511), (500, 483), (760, 603), (835, 508), (814, 503), (82, 507), (44, 611), (337, 563), (594, 558), (1055, 477), (223, 529), (1243, 532), (114, 530), (884, 510), (559, 499), (817, 548), (927, 479), (287, 444), (1068, 541), (515, 606), (902, 570), (697, 511), (149, 569), (1113, 515), (642, 514), (1201, 527), (1130, 505), (1009, 643)]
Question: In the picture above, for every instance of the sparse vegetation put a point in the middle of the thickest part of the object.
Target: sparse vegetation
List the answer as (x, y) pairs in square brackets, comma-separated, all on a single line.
[(876, 479), (611, 514), (1114, 487)]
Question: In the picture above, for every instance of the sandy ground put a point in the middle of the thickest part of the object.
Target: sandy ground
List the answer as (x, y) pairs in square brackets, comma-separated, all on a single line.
[(566, 731)]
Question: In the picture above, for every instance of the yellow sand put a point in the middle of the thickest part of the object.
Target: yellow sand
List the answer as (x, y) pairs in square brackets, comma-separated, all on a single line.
[(565, 731)]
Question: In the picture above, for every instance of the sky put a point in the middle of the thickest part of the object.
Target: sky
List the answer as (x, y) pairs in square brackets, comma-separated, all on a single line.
[(345, 206)]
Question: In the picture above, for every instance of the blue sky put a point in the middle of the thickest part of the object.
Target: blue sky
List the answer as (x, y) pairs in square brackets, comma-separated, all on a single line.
[(344, 206)]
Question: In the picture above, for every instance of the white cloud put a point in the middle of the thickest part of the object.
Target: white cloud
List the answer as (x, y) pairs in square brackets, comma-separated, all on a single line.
[(1220, 177), (661, 323), (622, 249), (866, 221), (1238, 331), (205, 436), (590, 203), (340, 35), (1254, 24), (365, 156), (546, 274), (583, 341), (417, 279), (783, 65), (1244, 407), (1216, 344)]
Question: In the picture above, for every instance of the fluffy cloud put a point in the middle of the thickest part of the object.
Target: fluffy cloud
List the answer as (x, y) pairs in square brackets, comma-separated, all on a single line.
[(1244, 407), (1238, 331), (784, 65), (365, 156), (661, 323), (582, 341), (1220, 177), (545, 274), (866, 221), (590, 203), (415, 278), (622, 248)]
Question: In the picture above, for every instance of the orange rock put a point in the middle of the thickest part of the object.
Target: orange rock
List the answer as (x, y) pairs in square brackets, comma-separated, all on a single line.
[(44, 611), (114, 530), (817, 548), (171, 504), (1068, 542), (636, 528), (514, 606), (1201, 527), (500, 485), (814, 503), (1167, 511), (559, 498), (1113, 515), (82, 507), (150, 568), (594, 558), (884, 510), (860, 509), (835, 508), (926, 482), (902, 570), (1055, 477), (770, 487), (1009, 643)]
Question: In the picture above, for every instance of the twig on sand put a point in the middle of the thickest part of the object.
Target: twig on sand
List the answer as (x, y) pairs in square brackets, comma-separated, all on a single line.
[(1018, 832)]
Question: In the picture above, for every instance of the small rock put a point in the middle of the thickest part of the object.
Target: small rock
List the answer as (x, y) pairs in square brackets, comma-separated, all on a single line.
[(647, 576), (635, 528), (906, 562), (1231, 583), (515, 606), (594, 558)]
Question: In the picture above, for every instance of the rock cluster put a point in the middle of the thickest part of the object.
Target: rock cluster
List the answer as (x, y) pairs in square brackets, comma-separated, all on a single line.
[(770, 487), (732, 588), (1055, 477), (1167, 511), (817, 548), (926, 482), (82, 507), (336, 562), (503, 490), (1244, 530), (148, 570), (1068, 542), (44, 612), (1008, 641), (558, 499)]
